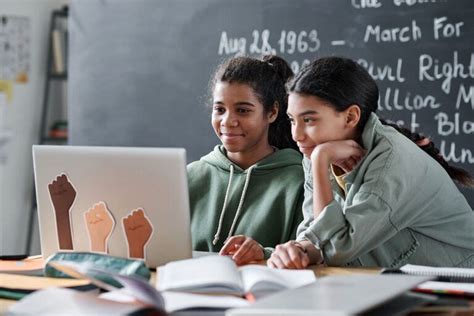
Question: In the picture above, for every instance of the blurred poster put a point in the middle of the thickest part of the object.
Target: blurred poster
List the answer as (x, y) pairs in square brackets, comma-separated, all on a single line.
[(14, 48)]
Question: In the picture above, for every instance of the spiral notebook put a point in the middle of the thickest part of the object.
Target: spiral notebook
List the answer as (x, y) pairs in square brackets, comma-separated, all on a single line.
[(442, 274), (451, 281)]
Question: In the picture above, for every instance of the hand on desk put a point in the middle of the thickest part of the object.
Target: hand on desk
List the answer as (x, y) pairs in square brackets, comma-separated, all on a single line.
[(100, 223), (62, 195), (138, 230), (243, 249), (289, 255)]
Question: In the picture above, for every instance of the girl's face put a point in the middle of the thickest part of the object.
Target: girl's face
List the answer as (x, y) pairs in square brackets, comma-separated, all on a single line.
[(314, 121), (239, 119)]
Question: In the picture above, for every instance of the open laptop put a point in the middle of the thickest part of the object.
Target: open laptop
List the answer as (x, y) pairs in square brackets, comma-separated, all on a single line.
[(123, 201)]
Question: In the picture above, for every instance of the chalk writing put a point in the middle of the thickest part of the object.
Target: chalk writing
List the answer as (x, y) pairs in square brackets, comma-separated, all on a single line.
[(432, 69), (385, 72), (260, 42), (413, 2), (465, 96), (454, 154), (362, 4), (231, 46), (394, 34), (446, 30), (302, 42), (392, 100), (453, 125), (419, 89)]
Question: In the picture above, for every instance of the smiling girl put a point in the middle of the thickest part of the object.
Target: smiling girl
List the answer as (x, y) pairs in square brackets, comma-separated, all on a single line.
[(373, 196), (246, 195)]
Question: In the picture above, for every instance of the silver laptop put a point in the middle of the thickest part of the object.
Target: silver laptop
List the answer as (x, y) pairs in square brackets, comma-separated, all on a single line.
[(122, 201)]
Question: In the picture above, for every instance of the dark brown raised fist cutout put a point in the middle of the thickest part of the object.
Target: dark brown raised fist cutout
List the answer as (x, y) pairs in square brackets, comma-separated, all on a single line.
[(138, 231), (62, 195)]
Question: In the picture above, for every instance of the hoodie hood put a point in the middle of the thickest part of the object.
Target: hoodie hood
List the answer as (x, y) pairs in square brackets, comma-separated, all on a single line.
[(279, 159)]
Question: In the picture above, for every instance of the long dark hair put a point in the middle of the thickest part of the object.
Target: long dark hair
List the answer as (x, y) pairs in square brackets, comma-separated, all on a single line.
[(343, 82), (267, 77)]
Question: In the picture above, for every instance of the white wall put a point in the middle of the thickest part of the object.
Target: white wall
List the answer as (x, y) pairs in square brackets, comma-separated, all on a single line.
[(21, 117)]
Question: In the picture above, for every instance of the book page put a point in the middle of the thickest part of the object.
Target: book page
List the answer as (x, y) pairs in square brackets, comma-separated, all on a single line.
[(175, 301), (261, 280), (59, 301), (210, 274)]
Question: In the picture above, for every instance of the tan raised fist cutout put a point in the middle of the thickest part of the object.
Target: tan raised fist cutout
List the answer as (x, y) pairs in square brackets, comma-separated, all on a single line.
[(100, 223)]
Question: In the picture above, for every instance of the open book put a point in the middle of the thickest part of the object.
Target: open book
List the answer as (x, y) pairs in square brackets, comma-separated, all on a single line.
[(220, 275), (136, 291), (215, 274)]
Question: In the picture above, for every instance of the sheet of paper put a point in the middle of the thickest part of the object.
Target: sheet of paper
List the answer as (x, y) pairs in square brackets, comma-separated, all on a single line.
[(264, 278), (448, 287), (57, 301), (198, 273), (177, 301)]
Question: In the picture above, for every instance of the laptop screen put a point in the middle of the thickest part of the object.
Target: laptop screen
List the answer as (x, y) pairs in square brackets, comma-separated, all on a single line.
[(123, 201)]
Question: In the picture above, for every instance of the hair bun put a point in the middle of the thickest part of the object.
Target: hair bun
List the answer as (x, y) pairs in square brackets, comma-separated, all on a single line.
[(279, 65)]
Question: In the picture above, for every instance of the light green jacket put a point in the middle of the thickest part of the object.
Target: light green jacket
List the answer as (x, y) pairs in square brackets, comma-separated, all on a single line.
[(270, 203), (401, 207)]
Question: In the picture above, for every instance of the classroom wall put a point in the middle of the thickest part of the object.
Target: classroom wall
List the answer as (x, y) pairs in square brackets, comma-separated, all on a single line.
[(140, 69), (20, 113)]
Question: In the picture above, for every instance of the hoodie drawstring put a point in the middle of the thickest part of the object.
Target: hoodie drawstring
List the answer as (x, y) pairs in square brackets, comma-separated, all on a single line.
[(239, 208), (221, 219), (242, 198)]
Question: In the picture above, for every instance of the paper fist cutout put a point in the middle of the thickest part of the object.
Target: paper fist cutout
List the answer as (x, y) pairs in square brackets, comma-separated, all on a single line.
[(138, 230), (100, 223), (62, 195)]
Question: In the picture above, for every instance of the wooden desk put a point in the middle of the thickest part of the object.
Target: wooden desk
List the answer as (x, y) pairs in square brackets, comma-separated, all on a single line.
[(319, 270)]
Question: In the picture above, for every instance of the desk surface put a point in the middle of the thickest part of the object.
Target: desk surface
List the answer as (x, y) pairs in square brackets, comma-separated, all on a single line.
[(320, 271)]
